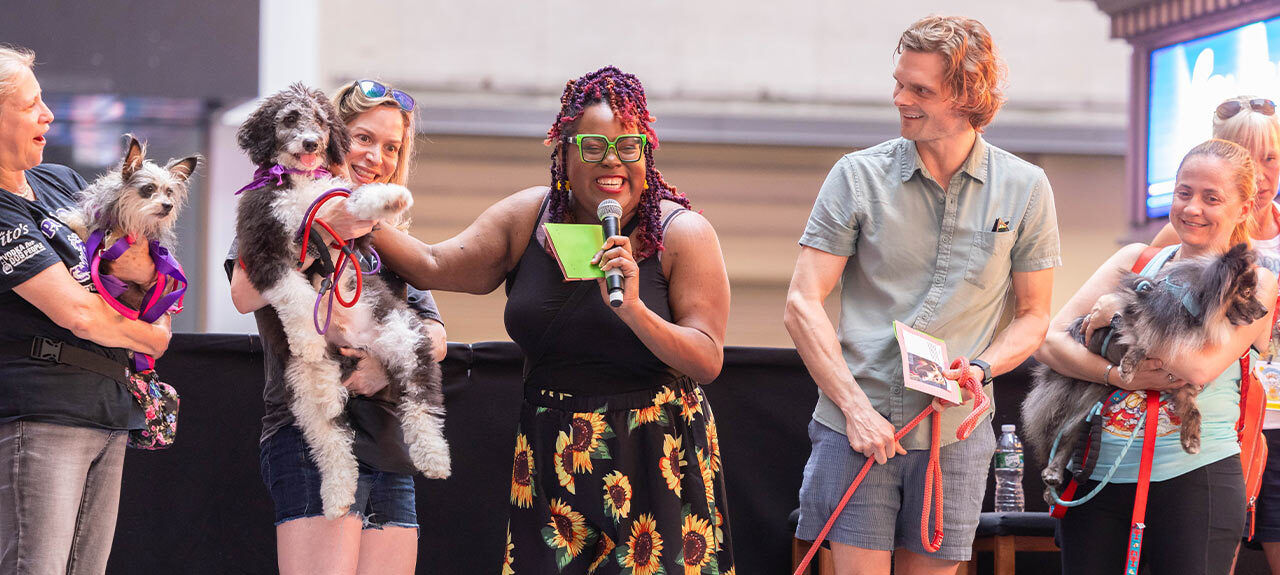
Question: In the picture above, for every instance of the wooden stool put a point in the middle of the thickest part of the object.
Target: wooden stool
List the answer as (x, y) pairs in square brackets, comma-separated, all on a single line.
[(821, 563), (1005, 534)]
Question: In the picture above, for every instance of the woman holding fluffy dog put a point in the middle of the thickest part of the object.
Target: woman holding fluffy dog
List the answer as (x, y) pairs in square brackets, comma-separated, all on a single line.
[(1196, 506), (63, 426), (381, 536), (617, 465)]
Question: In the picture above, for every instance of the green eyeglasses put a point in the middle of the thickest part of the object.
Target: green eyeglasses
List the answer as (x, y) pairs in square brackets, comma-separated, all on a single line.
[(593, 147)]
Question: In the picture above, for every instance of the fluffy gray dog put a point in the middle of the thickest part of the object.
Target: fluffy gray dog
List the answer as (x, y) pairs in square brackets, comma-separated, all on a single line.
[(1191, 304), (298, 130), (138, 198)]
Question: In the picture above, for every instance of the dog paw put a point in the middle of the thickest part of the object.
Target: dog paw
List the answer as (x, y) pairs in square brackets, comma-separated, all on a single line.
[(1191, 443), (1051, 477), (433, 462), (337, 496), (379, 201)]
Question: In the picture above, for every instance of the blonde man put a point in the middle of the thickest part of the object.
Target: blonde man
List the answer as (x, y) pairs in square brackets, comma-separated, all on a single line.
[(932, 229)]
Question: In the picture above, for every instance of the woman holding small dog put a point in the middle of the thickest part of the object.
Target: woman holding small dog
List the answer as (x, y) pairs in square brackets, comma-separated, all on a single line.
[(381, 536), (617, 465), (63, 425), (1196, 507)]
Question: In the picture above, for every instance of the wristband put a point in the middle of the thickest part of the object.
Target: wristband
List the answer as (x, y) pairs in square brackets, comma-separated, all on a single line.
[(986, 369)]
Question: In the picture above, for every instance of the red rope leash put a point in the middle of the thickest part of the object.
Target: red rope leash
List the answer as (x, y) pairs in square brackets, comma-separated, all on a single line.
[(933, 473)]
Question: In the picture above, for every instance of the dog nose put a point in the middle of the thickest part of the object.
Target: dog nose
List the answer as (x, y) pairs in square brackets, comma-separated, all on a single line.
[(166, 208), (310, 145)]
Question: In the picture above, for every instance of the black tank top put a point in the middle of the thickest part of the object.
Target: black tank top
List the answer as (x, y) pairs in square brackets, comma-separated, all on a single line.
[(594, 352)]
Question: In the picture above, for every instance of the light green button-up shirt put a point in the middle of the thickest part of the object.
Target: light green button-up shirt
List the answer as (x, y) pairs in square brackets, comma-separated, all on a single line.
[(937, 260)]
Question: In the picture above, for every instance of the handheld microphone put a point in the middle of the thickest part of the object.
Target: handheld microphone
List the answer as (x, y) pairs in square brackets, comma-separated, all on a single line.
[(609, 211)]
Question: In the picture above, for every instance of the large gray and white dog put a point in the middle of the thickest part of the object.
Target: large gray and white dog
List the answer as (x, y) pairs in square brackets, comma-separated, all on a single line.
[(1191, 304), (299, 129)]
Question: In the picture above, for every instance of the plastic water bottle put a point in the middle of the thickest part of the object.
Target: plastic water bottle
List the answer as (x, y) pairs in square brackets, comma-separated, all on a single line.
[(1008, 464)]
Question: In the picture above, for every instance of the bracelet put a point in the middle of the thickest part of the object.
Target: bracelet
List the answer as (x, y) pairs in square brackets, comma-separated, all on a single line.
[(1106, 375)]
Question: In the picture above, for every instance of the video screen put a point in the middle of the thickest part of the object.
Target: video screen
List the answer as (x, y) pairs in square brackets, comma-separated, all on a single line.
[(1188, 81)]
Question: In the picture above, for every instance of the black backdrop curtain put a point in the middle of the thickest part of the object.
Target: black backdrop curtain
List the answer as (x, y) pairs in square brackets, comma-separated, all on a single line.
[(200, 507)]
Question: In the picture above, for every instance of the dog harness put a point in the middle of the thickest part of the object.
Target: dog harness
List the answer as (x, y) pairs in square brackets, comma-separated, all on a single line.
[(165, 296), (933, 473)]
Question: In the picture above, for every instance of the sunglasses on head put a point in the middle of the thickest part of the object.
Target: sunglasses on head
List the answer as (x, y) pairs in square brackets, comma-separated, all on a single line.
[(1230, 108), (375, 89)]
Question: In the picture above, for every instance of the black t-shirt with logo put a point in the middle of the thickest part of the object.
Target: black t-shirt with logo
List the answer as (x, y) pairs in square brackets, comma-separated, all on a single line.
[(33, 238)]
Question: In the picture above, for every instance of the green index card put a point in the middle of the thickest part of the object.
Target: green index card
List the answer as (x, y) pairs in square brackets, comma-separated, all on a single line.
[(574, 245)]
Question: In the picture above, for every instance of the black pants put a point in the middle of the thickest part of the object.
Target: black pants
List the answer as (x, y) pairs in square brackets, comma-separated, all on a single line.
[(1194, 522)]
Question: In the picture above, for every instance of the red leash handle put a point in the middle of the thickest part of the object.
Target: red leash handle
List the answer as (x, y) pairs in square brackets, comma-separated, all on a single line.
[(933, 473), (311, 221)]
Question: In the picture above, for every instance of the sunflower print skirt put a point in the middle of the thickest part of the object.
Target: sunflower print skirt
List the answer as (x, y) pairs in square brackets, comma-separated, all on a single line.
[(627, 484)]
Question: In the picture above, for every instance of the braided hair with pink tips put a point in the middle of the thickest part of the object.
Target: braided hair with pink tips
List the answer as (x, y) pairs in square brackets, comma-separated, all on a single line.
[(625, 96)]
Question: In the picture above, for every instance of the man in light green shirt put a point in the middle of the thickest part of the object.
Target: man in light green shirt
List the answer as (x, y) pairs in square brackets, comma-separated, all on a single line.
[(950, 235)]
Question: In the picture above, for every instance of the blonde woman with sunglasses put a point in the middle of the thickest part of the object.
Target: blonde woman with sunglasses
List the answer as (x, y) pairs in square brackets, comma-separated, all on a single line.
[(380, 535), (1252, 122)]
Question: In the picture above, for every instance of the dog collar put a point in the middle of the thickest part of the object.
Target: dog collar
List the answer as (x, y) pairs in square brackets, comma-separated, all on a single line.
[(263, 176)]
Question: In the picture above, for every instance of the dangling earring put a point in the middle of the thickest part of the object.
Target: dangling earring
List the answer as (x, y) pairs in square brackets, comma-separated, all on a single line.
[(563, 185), (646, 184)]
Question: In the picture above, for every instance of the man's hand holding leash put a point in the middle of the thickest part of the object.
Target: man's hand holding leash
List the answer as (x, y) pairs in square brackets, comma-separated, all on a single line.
[(869, 432)]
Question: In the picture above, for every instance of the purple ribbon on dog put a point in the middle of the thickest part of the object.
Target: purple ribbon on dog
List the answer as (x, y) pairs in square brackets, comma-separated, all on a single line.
[(263, 176)]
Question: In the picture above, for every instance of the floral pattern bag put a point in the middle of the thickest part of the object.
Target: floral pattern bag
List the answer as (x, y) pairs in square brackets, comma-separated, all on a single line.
[(159, 403)]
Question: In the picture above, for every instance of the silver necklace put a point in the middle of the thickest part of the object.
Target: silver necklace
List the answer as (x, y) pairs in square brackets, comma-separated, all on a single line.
[(26, 192)]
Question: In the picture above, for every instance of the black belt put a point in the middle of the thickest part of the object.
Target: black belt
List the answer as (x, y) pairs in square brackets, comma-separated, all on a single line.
[(47, 349)]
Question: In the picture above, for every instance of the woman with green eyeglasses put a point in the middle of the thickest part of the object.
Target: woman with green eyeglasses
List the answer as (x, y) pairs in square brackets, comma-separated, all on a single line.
[(616, 464), (380, 535)]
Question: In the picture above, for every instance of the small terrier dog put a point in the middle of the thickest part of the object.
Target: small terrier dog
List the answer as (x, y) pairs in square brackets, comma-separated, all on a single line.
[(297, 131), (139, 199), (1191, 304)]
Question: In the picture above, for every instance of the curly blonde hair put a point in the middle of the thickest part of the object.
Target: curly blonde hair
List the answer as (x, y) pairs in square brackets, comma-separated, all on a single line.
[(1240, 164), (352, 102), (13, 60), (974, 75)]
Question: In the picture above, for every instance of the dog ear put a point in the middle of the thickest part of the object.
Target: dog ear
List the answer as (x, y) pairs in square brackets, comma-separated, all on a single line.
[(134, 154), (1224, 277), (339, 137), (339, 142), (257, 135), (182, 169)]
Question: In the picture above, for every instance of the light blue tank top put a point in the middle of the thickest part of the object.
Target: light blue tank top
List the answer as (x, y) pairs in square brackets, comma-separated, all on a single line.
[(1219, 404)]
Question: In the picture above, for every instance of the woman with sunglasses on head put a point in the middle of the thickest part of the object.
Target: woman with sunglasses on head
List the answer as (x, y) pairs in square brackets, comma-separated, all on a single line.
[(380, 535), (64, 421), (617, 464)]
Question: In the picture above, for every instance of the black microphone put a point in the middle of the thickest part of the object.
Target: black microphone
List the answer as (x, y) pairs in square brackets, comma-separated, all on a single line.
[(609, 211)]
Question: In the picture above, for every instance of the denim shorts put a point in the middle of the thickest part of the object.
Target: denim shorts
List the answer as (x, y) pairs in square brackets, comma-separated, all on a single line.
[(382, 499), (884, 513)]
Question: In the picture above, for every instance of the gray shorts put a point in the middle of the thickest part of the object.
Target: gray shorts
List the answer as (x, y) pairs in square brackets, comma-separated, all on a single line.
[(884, 513)]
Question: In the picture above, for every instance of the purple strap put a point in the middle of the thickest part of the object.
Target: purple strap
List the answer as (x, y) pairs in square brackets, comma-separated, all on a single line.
[(263, 176), (166, 267)]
